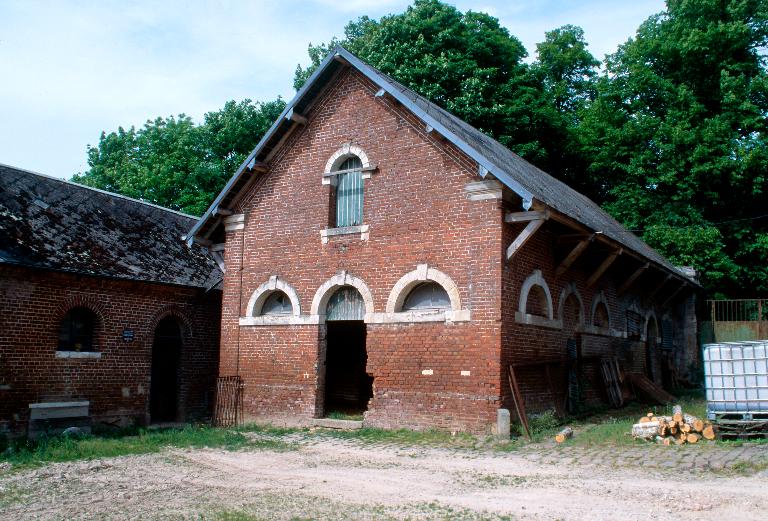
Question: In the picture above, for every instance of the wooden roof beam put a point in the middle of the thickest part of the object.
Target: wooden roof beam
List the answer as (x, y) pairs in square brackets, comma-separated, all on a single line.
[(523, 217), (524, 237), (575, 254), (658, 287), (603, 267), (296, 117), (632, 278), (673, 295)]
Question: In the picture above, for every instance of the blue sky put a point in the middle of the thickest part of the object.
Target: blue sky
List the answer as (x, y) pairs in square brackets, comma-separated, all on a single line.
[(70, 69)]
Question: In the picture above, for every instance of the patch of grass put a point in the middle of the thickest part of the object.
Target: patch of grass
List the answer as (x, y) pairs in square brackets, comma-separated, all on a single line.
[(141, 441), (432, 437), (342, 415), (11, 494)]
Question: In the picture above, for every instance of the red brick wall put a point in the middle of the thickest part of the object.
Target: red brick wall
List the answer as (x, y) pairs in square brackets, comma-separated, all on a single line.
[(32, 304), (524, 343), (418, 213)]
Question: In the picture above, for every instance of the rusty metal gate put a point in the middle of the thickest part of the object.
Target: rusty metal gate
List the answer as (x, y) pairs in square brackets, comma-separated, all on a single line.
[(229, 401), (737, 320)]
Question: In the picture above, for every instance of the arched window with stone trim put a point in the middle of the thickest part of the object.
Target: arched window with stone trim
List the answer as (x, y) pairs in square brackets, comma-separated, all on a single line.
[(77, 330), (427, 296), (600, 318), (277, 303)]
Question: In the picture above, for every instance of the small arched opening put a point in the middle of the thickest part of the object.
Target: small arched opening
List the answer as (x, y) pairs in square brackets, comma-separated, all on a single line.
[(164, 383)]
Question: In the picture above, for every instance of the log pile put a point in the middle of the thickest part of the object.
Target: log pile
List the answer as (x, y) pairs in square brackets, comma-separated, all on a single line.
[(678, 429)]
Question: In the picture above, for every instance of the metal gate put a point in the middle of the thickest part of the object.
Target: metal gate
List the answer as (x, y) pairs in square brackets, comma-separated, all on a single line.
[(229, 401)]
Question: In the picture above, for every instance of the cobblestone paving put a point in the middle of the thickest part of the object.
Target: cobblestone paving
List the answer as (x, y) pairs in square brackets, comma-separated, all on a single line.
[(702, 457)]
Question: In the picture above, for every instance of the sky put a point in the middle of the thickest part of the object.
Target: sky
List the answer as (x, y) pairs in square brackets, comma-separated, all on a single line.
[(72, 69)]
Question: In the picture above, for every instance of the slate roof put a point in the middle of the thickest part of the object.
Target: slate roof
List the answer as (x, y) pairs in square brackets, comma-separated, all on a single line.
[(523, 178), (54, 224)]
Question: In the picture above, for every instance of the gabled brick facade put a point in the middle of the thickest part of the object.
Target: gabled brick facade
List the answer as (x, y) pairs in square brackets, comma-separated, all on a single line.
[(427, 215)]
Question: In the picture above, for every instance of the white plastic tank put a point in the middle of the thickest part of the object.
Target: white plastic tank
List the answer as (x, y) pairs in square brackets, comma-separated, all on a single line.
[(736, 377)]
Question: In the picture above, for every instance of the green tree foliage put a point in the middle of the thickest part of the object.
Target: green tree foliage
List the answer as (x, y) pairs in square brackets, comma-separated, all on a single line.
[(175, 163), (464, 62), (677, 134)]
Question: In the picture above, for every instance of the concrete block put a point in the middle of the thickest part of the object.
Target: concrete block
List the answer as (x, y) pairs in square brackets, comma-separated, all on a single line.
[(503, 424)]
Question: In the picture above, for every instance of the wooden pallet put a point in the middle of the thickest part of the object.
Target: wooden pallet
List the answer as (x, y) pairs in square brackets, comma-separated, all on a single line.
[(741, 425)]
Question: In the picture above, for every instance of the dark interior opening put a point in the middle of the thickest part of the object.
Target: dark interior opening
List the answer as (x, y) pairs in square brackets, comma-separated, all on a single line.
[(347, 386), (163, 391)]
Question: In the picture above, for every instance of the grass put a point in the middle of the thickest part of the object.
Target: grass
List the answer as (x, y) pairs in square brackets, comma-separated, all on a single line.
[(342, 415), (137, 441), (431, 437)]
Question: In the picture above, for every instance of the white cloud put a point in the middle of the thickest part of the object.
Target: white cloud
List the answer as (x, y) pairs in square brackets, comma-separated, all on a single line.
[(72, 69)]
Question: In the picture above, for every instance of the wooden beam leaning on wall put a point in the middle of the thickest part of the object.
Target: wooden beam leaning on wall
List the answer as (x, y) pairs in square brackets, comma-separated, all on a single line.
[(603, 267), (632, 278), (575, 254), (534, 219)]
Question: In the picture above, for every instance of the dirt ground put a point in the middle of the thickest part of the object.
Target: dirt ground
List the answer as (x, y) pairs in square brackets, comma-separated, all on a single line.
[(328, 478)]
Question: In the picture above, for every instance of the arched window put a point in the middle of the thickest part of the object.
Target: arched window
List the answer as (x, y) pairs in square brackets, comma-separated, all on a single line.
[(77, 329), (537, 303), (277, 303), (600, 316), (349, 193), (427, 296)]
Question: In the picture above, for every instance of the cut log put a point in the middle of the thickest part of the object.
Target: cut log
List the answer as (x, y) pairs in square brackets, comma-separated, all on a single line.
[(685, 428), (679, 441), (645, 430), (644, 419), (692, 438), (650, 415), (678, 417), (695, 423), (708, 432), (672, 429), (563, 435), (677, 409)]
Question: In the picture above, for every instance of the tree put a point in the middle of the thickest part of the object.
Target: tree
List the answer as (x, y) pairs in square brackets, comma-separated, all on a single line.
[(175, 163), (464, 62), (677, 133)]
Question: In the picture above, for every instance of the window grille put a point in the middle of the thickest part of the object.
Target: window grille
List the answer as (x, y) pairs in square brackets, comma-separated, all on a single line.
[(349, 194)]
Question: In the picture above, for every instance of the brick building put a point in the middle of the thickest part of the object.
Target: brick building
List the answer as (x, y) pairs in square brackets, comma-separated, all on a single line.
[(104, 310), (382, 256)]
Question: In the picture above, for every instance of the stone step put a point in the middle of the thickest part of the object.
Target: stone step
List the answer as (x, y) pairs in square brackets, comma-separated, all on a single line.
[(347, 425)]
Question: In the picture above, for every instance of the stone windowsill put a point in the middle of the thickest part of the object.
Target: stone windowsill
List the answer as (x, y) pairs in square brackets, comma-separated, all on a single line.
[(415, 317), (362, 230), (536, 320), (78, 354), (279, 320)]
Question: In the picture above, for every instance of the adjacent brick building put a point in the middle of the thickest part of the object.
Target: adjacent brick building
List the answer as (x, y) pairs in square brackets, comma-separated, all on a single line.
[(101, 301), (384, 257)]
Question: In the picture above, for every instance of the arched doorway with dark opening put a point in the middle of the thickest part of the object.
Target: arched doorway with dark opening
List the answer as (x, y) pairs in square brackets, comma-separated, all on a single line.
[(164, 383), (348, 387)]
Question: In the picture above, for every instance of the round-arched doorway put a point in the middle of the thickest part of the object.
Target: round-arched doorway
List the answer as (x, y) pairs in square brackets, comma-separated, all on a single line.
[(164, 383)]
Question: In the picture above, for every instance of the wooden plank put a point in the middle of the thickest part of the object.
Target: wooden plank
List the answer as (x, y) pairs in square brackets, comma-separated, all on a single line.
[(517, 398), (649, 389), (296, 117), (632, 278), (524, 217), (524, 237), (575, 254), (603, 267)]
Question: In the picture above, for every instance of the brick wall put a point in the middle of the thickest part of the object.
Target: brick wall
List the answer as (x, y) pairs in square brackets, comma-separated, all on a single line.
[(32, 304), (418, 213), (446, 375)]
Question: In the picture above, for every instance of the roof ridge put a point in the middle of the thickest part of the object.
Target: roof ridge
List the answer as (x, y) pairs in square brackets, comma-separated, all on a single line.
[(99, 190)]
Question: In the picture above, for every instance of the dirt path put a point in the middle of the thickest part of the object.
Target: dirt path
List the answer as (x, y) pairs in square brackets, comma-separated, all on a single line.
[(332, 479)]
